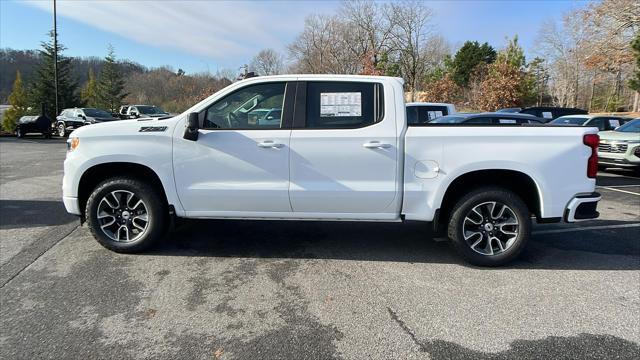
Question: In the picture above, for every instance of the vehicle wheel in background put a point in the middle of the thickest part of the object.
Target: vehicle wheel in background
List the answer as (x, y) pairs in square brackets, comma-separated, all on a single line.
[(489, 226), (19, 133), (62, 131), (126, 215)]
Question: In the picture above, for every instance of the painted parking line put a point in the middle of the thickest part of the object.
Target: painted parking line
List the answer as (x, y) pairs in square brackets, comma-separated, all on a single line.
[(586, 228), (620, 190), (618, 186)]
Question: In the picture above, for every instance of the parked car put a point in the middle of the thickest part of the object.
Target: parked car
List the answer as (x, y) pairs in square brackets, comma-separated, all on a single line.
[(551, 112), (423, 112), (39, 124), (71, 119), (343, 151), (488, 118), (141, 111), (620, 147), (602, 122), (265, 117)]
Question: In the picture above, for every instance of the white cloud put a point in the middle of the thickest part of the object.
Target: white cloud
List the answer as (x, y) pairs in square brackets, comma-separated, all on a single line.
[(216, 29)]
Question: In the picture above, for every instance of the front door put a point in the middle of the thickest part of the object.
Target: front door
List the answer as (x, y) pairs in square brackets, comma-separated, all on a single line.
[(239, 166), (344, 151)]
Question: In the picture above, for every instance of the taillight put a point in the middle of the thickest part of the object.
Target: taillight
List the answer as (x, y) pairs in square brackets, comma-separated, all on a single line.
[(592, 141)]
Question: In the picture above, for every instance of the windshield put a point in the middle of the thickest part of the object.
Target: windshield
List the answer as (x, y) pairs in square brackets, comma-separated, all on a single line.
[(449, 119), (96, 113), (564, 120), (632, 126), (150, 110)]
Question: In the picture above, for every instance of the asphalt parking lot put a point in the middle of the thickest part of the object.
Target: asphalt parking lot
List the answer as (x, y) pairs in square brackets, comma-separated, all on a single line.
[(284, 290)]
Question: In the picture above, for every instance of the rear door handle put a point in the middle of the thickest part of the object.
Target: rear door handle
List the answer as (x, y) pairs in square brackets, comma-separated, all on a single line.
[(376, 145), (267, 144)]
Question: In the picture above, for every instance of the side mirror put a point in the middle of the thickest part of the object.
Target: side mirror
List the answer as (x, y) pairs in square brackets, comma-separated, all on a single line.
[(269, 117), (191, 130)]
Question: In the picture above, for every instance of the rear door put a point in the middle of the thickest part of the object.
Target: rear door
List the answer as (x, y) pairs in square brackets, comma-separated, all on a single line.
[(344, 151)]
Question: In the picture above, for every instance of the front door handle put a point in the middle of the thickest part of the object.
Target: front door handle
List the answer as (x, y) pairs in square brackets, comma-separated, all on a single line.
[(268, 144), (376, 145)]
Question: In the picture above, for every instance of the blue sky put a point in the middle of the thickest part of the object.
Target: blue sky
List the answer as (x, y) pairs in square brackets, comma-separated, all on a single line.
[(210, 35)]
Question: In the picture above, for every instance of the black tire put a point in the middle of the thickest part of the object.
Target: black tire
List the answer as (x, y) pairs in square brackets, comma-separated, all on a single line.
[(61, 130), (464, 208), (19, 133), (155, 207)]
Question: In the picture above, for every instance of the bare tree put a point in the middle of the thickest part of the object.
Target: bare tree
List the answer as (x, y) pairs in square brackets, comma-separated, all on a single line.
[(326, 46), (412, 29), (370, 27), (267, 62)]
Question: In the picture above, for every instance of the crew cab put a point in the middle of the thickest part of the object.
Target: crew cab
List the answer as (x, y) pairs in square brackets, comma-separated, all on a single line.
[(342, 150)]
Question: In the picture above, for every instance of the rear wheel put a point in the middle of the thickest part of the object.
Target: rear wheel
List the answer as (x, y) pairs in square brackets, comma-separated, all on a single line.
[(126, 215), (490, 226)]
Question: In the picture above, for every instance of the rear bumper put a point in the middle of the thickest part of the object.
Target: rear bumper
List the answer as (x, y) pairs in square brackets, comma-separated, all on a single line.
[(582, 207), (71, 204)]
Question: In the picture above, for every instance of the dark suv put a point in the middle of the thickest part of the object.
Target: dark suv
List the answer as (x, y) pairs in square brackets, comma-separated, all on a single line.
[(71, 119)]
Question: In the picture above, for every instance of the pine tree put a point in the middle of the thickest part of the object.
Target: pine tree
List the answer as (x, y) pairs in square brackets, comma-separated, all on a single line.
[(90, 95), (111, 83), (470, 55), (19, 105), (43, 85)]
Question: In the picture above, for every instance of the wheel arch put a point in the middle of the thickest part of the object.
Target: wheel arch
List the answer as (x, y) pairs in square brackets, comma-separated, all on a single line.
[(517, 181), (94, 175)]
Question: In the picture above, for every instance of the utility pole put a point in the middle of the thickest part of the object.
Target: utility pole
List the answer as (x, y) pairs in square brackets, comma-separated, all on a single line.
[(55, 54)]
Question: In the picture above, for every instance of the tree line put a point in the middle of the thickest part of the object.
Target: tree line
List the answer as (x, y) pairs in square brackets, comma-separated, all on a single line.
[(588, 60), (104, 83)]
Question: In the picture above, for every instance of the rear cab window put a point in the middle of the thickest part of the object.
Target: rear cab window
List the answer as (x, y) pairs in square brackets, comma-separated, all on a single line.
[(422, 114)]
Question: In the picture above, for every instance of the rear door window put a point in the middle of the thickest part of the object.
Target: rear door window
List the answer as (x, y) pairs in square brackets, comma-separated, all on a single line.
[(343, 105)]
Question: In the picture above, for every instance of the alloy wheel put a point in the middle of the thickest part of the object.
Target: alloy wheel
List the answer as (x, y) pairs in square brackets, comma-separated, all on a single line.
[(490, 228), (122, 216)]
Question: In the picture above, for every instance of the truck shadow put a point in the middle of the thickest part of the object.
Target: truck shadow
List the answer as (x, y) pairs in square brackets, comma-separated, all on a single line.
[(611, 249), (582, 346), (16, 214)]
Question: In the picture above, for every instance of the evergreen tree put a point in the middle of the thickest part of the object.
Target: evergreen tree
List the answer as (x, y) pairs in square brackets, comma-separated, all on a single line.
[(634, 82), (470, 55), (111, 83), (90, 95), (43, 85), (19, 105)]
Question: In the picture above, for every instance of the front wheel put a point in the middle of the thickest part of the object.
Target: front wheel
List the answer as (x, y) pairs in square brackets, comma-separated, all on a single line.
[(125, 215), (62, 130), (19, 133), (490, 226)]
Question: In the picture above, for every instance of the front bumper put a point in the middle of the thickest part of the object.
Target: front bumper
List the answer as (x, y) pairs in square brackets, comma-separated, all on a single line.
[(582, 207), (617, 162), (72, 205)]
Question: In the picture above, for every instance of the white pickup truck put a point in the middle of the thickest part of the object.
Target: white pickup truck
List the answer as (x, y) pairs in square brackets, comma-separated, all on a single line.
[(342, 150)]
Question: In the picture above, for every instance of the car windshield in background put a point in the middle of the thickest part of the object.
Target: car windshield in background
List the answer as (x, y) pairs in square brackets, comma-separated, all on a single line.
[(449, 119), (632, 126), (150, 110), (96, 113), (569, 121)]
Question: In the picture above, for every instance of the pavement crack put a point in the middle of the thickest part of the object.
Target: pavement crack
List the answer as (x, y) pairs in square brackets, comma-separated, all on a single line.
[(406, 329)]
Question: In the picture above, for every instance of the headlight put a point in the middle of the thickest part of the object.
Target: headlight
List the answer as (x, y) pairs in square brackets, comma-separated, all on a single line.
[(73, 143)]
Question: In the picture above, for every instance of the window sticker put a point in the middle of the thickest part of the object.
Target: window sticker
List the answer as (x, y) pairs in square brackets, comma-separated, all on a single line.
[(507, 121), (614, 123), (340, 104), (547, 115)]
